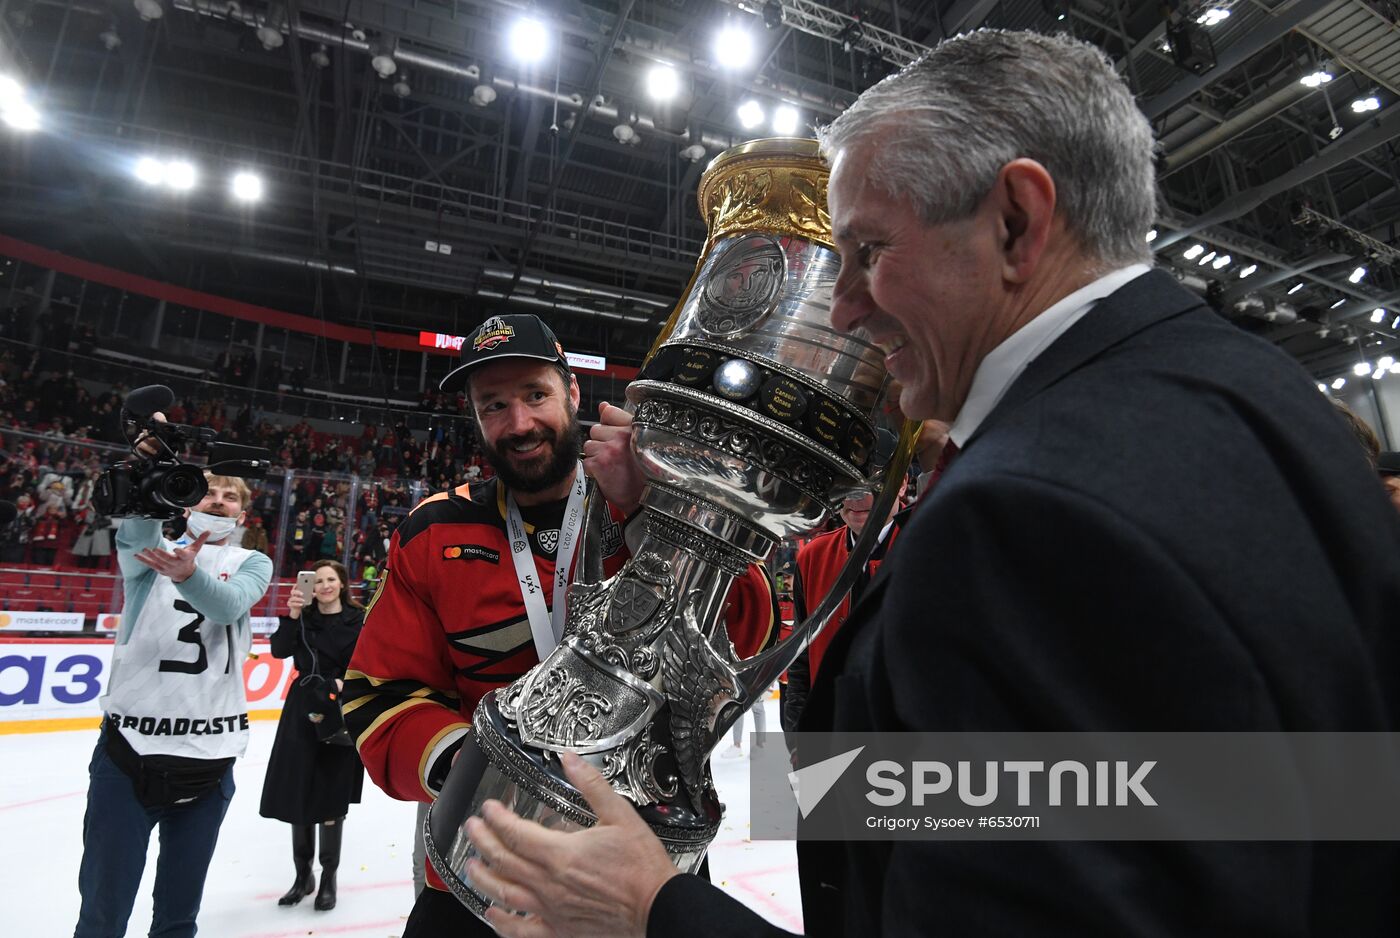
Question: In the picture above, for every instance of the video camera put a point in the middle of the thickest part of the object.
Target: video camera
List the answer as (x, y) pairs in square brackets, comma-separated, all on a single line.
[(161, 486)]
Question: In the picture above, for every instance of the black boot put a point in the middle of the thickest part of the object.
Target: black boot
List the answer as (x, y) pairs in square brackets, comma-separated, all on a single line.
[(330, 860), (303, 852)]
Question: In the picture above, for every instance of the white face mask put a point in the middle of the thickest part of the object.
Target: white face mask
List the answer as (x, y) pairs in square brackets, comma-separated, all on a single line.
[(218, 526)]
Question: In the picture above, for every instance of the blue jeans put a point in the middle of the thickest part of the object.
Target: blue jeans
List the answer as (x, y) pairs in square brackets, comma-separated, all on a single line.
[(116, 832)]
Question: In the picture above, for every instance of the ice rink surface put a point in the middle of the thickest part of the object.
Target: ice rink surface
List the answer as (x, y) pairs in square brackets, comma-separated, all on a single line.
[(43, 787)]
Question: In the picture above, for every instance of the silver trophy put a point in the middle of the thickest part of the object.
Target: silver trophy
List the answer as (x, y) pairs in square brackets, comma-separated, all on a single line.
[(753, 419)]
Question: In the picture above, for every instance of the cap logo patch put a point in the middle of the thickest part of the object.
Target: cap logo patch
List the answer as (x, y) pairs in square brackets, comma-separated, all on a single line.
[(493, 332)]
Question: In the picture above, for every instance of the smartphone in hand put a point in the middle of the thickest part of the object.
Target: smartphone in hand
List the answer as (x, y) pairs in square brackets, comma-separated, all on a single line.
[(306, 579)]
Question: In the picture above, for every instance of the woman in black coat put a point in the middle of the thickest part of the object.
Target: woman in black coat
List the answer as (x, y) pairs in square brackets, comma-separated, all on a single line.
[(312, 782)]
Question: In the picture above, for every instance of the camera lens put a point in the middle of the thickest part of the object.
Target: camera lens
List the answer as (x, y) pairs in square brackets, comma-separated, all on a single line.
[(178, 486)]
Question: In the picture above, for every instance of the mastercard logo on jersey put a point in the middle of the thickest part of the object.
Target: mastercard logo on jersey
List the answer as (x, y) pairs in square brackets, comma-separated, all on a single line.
[(471, 552)]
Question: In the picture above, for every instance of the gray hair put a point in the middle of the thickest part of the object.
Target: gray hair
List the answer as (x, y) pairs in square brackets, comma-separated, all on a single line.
[(941, 129)]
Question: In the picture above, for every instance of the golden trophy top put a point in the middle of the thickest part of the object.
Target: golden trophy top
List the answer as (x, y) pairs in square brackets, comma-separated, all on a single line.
[(776, 185)]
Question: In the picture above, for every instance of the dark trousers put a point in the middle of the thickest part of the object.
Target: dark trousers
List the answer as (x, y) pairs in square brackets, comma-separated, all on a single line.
[(438, 913), (116, 831)]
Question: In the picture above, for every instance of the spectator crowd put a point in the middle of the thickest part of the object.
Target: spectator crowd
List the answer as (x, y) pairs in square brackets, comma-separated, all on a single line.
[(57, 433)]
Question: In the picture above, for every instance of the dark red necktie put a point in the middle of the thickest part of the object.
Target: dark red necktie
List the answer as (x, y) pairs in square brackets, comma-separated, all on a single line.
[(945, 458)]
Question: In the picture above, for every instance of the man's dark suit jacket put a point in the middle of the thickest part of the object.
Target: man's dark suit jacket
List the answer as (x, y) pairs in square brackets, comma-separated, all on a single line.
[(1162, 526)]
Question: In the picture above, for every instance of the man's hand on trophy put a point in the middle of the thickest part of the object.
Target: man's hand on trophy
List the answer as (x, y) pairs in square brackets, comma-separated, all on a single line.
[(600, 881), (609, 460)]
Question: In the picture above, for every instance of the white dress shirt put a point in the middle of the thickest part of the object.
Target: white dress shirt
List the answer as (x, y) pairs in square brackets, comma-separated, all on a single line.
[(1005, 363)]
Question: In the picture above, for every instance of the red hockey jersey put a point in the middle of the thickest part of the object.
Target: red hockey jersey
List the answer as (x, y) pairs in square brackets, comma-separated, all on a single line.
[(449, 624)]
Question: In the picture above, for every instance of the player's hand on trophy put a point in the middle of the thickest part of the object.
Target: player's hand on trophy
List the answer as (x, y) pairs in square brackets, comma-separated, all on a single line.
[(609, 460), (600, 881)]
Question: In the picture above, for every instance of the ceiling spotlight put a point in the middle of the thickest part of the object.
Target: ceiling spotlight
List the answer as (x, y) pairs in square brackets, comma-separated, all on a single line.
[(401, 87), (1213, 16), (528, 39), (149, 9), (695, 153), (180, 176), (246, 187), (1295, 288), (624, 133), (11, 91), (1362, 105), (21, 115), (1357, 275), (111, 40), (1338, 384), (1386, 362), (785, 120), (663, 83), (384, 65), (1248, 270), (321, 58), (150, 171), (1322, 387), (733, 47), (750, 114), (1206, 259), (1222, 262), (1316, 79), (1377, 315), (1152, 236), (270, 36), (772, 14), (1360, 368), (1194, 251), (483, 95)]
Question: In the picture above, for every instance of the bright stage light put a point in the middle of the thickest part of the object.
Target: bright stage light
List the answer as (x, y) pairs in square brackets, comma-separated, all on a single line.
[(785, 120), (528, 40), (150, 171), (180, 176), (750, 114), (663, 83), (247, 187), (734, 47)]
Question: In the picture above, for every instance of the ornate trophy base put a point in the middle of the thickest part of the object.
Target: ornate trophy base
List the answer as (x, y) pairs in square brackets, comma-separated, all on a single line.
[(530, 782)]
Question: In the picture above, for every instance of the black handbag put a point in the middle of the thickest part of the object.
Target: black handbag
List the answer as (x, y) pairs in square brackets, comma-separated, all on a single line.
[(324, 711), (323, 707)]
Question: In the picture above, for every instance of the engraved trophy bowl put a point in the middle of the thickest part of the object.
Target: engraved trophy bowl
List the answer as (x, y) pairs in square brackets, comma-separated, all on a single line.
[(753, 418)]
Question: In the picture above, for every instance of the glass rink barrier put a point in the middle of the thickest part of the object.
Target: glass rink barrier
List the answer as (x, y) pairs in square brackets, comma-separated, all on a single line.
[(58, 569)]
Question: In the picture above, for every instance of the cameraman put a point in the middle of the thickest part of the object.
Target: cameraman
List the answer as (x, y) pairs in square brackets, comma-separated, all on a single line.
[(175, 714)]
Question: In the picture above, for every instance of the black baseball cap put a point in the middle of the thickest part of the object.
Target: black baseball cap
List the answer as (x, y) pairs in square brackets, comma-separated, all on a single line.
[(520, 335), (1388, 464)]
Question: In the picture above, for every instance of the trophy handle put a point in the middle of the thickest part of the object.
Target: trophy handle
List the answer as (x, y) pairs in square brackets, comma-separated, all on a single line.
[(588, 566), (759, 672)]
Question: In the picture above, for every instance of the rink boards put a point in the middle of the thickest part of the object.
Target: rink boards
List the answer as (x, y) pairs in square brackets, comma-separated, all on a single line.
[(48, 685)]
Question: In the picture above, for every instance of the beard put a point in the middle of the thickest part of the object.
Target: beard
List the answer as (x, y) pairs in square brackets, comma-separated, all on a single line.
[(543, 471)]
